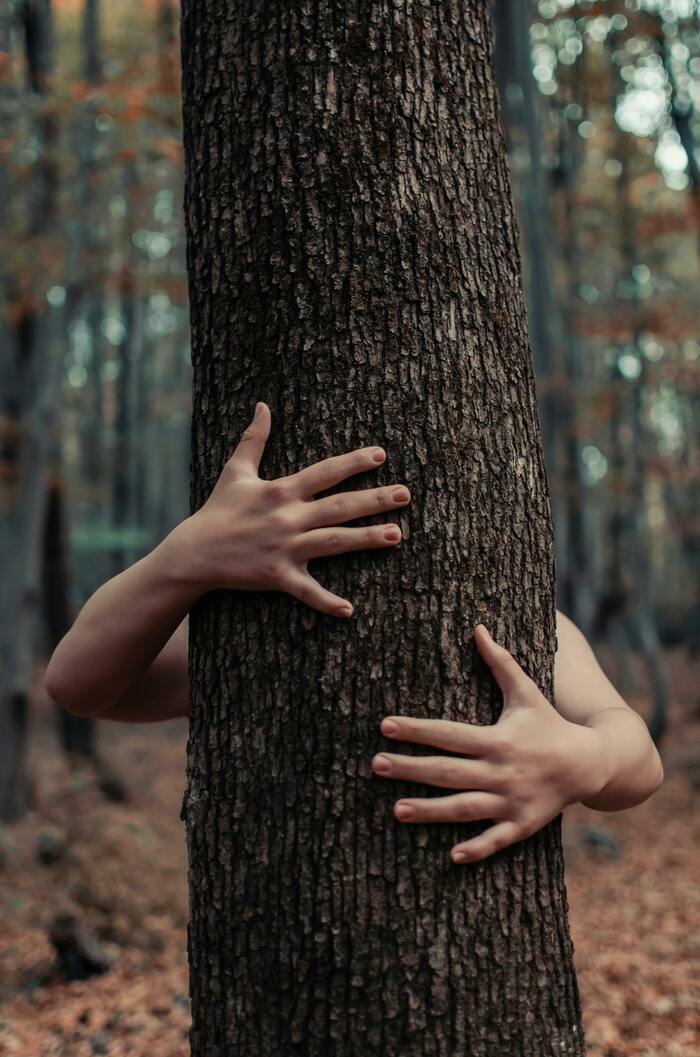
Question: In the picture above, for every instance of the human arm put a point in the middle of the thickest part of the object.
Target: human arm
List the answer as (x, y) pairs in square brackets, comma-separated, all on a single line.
[(125, 657), (583, 694), (523, 770)]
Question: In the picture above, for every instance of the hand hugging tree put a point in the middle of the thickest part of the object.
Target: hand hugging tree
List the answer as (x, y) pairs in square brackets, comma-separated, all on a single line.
[(353, 262)]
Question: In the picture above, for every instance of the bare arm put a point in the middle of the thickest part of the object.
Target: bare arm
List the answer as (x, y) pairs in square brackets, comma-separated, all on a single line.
[(163, 691), (520, 772), (125, 656), (584, 695)]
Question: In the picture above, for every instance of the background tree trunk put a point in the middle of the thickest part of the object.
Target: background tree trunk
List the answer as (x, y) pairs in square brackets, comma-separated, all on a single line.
[(77, 733), (353, 261), (30, 403)]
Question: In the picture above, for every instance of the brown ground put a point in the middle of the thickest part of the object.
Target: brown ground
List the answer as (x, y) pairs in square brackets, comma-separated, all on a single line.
[(634, 908)]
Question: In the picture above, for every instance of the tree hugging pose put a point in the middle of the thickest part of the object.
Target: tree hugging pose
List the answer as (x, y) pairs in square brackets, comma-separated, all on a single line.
[(126, 657)]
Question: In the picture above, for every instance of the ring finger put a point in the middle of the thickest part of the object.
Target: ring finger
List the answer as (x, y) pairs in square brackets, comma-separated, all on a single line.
[(448, 772)]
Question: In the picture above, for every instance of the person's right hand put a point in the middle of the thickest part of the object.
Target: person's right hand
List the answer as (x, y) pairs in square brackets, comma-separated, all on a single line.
[(257, 535)]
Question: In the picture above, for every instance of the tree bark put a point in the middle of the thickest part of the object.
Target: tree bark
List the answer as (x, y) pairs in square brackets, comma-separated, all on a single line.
[(353, 261)]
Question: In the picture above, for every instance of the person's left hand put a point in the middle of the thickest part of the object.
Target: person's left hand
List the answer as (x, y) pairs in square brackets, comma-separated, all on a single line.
[(519, 772)]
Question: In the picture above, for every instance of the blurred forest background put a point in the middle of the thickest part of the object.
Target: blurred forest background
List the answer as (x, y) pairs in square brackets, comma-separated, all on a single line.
[(600, 103)]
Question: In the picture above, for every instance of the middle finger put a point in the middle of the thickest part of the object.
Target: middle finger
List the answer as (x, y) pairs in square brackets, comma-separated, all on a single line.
[(445, 771), (346, 506)]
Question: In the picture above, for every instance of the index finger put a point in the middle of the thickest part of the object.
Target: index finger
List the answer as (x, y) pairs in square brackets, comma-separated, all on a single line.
[(467, 738), (332, 471)]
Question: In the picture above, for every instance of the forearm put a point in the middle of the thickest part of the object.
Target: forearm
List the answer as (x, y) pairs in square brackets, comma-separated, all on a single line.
[(161, 693), (631, 763), (120, 630)]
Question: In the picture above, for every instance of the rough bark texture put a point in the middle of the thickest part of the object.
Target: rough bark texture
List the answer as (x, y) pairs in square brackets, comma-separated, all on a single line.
[(353, 262)]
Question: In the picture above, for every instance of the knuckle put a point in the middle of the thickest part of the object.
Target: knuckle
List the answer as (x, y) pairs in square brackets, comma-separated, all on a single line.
[(279, 521), (334, 541), (506, 782), (272, 570), (527, 825), (503, 744), (341, 504), (276, 491)]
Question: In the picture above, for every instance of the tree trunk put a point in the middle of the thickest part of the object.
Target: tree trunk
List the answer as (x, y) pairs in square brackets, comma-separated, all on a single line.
[(92, 51), (578, 575), (39, 360), (77, 733), (353, 261), (518, 95), (516, 84)]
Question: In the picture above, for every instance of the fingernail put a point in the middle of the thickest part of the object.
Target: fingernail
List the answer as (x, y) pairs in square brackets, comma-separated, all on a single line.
[(389, 727), (382, 764), (392, 535), (400, 495), (458, 856), (485, 630), (379, 455), (345, 611), (258, 409), (404, 811)]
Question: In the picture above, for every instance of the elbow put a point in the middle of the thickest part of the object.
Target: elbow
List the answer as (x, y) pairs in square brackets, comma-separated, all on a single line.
[(52, 685), (60, 694), (657, 773)]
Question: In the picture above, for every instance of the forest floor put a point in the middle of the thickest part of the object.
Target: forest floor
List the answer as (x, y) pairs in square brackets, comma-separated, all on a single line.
[(120, 868)]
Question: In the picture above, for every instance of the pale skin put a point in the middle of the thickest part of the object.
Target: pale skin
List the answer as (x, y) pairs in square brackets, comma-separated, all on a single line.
[(126, 656)]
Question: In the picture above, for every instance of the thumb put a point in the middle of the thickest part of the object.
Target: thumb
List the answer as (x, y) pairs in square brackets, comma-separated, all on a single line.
[(246, 458), (504, 667)]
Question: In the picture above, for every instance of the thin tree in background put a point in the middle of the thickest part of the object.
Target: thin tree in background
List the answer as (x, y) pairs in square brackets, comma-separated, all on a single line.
[(92, 45), (631, 568), (546, 194), (513, 65), (30, 405), (353, 260)]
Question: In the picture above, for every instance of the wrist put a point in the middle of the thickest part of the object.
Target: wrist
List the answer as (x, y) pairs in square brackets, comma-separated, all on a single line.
[(178, 561)]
